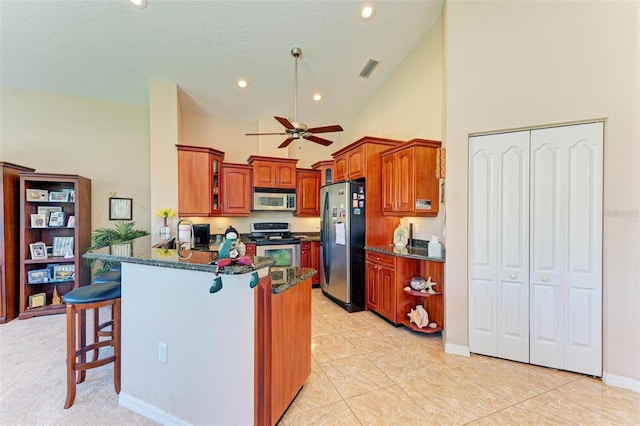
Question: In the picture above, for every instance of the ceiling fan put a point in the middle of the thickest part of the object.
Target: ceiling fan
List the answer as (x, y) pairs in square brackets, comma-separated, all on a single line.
[(296, 130)]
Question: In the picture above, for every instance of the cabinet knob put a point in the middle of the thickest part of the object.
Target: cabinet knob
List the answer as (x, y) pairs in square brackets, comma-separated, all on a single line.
[(513, 276), (545, 279)]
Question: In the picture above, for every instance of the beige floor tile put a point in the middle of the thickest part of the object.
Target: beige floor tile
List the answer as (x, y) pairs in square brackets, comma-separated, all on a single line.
[(331, 346), (388, 406), (335, 413), (355, 375), (317, 391)]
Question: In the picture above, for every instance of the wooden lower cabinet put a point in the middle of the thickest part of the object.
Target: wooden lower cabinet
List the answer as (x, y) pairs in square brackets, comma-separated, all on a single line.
[(283, 348), (310, 258), (387, 277)]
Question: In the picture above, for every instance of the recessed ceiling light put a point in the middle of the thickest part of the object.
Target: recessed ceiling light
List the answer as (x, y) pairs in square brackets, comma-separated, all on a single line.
[(140, 4), (367, 11), (317, 97), (242, 83)]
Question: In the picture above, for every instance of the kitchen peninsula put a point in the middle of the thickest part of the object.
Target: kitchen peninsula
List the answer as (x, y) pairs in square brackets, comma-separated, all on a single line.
[(195, 353)]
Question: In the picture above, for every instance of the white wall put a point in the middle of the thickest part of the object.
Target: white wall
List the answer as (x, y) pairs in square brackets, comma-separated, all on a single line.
[(107, 142), (519, 64)]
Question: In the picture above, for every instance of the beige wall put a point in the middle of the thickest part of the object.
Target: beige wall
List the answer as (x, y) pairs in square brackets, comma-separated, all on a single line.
[(106, 142), (520, 64)]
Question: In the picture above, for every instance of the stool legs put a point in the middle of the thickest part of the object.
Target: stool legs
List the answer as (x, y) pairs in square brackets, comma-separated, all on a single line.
[(77, 347)]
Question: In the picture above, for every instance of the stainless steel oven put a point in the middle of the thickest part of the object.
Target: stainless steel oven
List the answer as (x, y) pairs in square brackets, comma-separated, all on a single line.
[(273, 239), (284, 254)]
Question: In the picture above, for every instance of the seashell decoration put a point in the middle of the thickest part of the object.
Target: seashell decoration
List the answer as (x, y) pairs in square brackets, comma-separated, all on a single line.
[(418, 283), (419, 316)]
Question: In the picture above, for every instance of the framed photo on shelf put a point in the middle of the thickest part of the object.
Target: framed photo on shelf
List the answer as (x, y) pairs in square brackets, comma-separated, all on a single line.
[(38, 221), (59, 196), (120, 208), (63, 246), (38, 250), (63, 272), (38, 276), (46, 211), (37, 300), (56, 219), (71, 222), (37, 195)]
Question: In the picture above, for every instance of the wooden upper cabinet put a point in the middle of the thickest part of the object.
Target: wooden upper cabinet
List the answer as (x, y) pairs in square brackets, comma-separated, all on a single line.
[(199, 181), (326, 171), (308, 193), (236, 189), (409, 179), (273, 172), (360, 159)]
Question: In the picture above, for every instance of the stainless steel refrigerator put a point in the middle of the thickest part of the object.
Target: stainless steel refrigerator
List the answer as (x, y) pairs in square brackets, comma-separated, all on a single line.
[(342, 237)]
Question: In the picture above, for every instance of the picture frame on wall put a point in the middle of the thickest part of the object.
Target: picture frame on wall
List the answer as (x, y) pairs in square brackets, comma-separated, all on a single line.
[(120, 208)]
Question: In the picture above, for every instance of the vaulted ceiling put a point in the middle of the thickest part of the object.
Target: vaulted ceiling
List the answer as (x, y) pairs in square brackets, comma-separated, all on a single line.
[(110, 50)]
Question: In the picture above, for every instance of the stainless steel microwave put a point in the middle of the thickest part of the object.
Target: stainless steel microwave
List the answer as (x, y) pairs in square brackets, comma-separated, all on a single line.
[(274, 199)]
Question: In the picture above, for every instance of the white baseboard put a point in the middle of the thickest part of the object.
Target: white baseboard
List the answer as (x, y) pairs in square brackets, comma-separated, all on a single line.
[(450, 348), (150, 411), (621, 382)]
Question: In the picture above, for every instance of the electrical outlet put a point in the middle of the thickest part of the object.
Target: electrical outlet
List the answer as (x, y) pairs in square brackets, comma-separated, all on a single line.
[(162, 352), (219, 226)]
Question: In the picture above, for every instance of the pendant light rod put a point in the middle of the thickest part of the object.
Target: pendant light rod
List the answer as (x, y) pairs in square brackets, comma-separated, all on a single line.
[(295, 52)]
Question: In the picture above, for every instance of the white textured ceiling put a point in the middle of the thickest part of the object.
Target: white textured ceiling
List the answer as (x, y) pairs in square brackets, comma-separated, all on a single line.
[(109, 50)]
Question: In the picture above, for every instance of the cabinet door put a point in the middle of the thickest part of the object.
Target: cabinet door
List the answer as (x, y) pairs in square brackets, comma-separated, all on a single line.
[(315, 261), (356, 163), (388, 183), (305, 255), (236, 186), (308, 193), (285, 175), (372, 286), (194, 183), (264, 174), (340, 168), (387, 293), (405, 181)]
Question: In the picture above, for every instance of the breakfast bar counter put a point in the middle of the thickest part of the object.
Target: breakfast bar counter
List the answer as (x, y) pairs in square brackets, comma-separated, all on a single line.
[(200, 347)]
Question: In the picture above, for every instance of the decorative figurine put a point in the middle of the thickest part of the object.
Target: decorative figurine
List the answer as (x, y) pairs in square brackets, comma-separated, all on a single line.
[(419, 316), (56, 297), (429, 286), (231, 247), (401, 235)]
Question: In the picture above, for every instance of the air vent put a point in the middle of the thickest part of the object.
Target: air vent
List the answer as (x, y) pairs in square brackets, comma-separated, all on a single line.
[(368, 68)]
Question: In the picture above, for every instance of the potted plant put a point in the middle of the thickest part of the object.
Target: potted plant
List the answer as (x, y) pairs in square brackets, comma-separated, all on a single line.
[(102, 237)]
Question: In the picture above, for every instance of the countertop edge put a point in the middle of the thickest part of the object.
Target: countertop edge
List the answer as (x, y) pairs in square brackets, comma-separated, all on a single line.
[(303, 274), (411, 252)]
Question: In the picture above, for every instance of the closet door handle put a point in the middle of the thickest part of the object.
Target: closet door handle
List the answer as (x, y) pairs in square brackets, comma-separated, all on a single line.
[(513, 276), (545, 279)]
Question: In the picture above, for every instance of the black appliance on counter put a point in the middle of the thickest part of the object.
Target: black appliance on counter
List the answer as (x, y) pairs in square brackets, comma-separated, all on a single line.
[(201, 235)]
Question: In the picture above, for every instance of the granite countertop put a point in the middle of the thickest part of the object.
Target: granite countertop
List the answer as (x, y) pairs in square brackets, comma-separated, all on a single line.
[(297, 276), (148, 250), (413, 252), (307, 237)]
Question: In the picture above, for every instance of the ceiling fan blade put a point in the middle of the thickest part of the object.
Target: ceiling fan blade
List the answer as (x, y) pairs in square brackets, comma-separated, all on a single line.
[(261, 134), (326, 129), (286, 143), (285, 122), (316, 139)]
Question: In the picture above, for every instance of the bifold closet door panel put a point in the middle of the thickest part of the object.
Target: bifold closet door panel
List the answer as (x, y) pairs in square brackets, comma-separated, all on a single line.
[(499, 246), (566, 247)]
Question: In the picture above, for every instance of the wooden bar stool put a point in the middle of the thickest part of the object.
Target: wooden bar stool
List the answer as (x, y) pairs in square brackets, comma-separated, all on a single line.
[(78, 302)]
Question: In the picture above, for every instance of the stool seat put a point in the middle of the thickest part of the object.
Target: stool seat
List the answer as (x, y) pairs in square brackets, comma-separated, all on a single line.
[(104, 277), (93, 293)]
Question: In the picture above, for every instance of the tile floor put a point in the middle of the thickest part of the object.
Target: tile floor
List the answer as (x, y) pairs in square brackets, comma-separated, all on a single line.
[(367, 372)]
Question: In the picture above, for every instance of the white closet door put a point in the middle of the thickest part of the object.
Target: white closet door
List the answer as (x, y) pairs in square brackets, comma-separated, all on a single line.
[(498, 245), (566, 248)]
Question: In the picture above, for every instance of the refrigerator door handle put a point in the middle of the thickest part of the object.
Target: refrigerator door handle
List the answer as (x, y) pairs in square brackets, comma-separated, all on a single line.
[(323, 237)]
